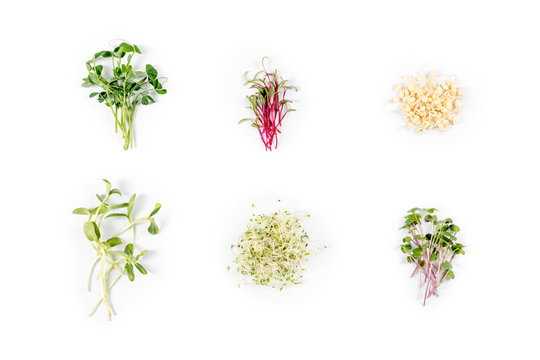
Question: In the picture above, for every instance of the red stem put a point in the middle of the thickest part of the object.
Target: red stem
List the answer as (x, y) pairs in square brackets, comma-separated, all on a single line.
[(270, 114)]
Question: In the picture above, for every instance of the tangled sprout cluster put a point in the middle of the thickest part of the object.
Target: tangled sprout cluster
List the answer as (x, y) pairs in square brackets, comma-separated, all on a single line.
[(273, 250)]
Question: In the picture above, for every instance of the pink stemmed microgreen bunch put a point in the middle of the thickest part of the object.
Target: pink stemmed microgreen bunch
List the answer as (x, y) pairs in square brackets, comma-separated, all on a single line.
[(268, 104), (431, 246)]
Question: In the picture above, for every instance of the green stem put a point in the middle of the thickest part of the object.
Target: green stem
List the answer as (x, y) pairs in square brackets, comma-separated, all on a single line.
[(99, 209), (130, 225), (132, 234)]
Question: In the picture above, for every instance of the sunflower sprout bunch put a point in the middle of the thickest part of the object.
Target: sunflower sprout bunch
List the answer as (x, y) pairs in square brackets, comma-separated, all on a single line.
[(268, 104), (122, 87), (111, 263), (431, 246), (274, 250)]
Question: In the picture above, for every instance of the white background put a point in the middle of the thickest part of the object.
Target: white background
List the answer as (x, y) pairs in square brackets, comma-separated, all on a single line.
[(345, 157)]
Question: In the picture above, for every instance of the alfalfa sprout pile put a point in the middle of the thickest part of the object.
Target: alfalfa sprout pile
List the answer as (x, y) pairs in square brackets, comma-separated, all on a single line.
[(274, 250)]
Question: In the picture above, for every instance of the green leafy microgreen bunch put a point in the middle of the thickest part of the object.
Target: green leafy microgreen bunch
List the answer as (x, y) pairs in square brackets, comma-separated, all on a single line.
[(268, 104), (431, 246), (110, 260), (123, 88), (273, 250)]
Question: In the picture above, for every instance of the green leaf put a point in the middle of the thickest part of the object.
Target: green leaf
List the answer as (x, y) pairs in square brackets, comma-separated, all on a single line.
[(105, 54), (129, 271), (114, 241), (122, 49), (99, 69), (115, 191), (93, 94), (459, 251), (81, 211), (141, 269), (413, 219), (151, 72), (128, 250), (125, 47), (141, 254), (119, 206), (417, 253), (156, 209), (108, 186), (161, 91), (102, 210), (91, 231), (431, 211), (153, 228), (130, 204), (94, 79), (449, 236), (446, 265), (244, 120), (407, 239), (136, 48), (451, 274), (406, 248), (454, 228), (115, 215)]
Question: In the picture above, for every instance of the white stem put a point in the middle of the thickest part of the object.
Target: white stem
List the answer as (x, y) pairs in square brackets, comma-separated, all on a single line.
[(89, 280)]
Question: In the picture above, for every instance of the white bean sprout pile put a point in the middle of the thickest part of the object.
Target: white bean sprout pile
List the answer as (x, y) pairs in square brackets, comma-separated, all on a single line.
[(430, 102)]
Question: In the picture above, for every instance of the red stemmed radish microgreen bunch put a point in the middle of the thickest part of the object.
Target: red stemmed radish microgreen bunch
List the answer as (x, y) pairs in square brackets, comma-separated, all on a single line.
[(268, 104), (431, 246)]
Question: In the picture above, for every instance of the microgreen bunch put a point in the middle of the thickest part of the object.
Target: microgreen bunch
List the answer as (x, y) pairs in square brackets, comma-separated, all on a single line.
[(113, 261), (123, 88), (268, 104), (273, 250), (431, 246)]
